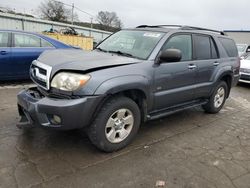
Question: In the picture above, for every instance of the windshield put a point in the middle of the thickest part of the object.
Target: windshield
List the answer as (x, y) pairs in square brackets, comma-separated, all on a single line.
[(137, 44), (241, 47)]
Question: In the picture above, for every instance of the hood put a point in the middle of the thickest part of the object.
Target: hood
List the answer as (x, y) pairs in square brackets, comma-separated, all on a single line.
[(82, 60), (245, 64)]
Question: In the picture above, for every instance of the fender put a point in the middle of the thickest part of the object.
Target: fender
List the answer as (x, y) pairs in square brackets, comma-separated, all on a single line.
[(223, 71), (123, 83)]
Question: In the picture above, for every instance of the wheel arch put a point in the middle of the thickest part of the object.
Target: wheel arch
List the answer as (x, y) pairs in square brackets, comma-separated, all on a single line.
[(225, 74), (135, 94), (228, 79)]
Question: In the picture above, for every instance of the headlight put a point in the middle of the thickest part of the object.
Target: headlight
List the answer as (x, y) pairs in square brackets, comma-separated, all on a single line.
[(69, 81)]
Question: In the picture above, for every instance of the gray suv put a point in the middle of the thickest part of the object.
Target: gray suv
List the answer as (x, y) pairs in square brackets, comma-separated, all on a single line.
[(133, 76)]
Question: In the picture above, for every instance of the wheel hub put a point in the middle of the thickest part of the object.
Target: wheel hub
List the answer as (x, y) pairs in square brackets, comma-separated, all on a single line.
[(219, 97), (119, 125)]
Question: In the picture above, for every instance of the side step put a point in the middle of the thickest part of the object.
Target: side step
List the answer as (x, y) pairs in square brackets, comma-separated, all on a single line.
[(172, 110)]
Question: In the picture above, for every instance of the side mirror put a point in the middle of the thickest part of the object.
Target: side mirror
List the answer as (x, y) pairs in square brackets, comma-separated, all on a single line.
[(170, 55)]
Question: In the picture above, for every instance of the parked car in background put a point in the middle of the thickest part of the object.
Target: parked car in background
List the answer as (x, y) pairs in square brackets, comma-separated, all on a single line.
[(245, 70), (243, 49), (18, 49)]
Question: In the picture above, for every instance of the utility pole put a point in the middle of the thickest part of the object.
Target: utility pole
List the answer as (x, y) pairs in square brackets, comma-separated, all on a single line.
[(72, 14)]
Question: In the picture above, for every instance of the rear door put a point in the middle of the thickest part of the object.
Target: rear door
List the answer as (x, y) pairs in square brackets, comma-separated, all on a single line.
[(26, 48), (174, 81), (5, 55), (207, 60)]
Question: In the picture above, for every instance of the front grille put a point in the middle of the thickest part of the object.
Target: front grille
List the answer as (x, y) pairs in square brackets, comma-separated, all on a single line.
[(39, 82), (40, 74), (244, 70), (245, 77), (42, 71)]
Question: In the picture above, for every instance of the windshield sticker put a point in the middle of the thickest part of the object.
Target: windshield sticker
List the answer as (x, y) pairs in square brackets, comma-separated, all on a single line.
[(156, 35)]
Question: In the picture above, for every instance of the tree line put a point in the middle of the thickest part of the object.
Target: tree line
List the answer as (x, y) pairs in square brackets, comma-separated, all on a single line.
[(56, 11)]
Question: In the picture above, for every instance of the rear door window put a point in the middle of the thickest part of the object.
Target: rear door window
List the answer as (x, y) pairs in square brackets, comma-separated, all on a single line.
[(45, 44), (23, 40), (205, 47), (4, 38), (202, 47), (229, 46)]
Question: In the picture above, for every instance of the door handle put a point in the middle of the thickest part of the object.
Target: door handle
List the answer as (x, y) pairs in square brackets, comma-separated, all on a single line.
[(192, 66), (3, 52), (216, 63)]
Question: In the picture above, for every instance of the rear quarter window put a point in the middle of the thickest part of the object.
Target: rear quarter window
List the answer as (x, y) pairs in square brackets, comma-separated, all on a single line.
[(229, 46)]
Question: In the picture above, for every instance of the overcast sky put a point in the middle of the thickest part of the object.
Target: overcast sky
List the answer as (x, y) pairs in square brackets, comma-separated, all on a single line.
[(215, 14)]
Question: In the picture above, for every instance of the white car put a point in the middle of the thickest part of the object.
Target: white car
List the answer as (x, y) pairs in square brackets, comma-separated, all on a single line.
[(245, 70), (243, 49)]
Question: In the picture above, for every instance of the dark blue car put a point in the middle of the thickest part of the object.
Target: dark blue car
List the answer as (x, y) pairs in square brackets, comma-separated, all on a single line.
[(18, 49)]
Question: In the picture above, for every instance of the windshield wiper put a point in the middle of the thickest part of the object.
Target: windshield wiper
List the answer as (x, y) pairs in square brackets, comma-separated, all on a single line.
[(121, 53), (101, 49)]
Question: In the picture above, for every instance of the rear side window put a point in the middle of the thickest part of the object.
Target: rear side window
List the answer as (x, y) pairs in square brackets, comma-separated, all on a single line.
[(229, 46), (45, 43), (4, 37), (182, 43), (22, 40), (204, 47)]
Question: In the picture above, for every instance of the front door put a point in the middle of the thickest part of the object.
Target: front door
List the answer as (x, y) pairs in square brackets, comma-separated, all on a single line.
[(174, 81)]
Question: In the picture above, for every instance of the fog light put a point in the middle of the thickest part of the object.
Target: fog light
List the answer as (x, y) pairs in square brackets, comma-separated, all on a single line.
[(55, 119)]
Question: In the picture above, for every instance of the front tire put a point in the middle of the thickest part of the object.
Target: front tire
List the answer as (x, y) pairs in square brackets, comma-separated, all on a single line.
[(217, 99), (116, 124)]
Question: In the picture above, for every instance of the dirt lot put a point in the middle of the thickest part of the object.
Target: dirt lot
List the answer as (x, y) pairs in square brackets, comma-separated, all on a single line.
[(189, 149)]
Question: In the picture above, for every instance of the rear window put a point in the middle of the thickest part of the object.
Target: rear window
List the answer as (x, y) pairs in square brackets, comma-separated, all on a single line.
[(229, 46)]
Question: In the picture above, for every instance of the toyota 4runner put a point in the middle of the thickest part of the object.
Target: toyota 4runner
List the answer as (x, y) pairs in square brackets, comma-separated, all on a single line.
[(133, 76)]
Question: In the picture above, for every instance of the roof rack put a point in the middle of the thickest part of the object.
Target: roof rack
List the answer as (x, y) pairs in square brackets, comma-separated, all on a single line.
[(181, 27)]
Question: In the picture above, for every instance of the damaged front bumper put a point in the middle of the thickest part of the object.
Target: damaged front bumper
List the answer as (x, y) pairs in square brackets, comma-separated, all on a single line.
[(36, 109)]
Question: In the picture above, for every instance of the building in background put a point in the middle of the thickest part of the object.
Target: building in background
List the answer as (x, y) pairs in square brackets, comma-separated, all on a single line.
[(11, 21), (239, 36)]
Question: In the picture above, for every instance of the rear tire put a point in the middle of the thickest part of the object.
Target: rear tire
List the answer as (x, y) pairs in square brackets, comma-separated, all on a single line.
[(116, 124), (217, 99)]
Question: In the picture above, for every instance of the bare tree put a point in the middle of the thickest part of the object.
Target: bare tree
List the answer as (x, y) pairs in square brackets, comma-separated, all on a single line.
[(109, 19), (54, 11)]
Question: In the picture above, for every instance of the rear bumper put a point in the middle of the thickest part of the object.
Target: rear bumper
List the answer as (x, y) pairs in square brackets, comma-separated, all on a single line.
[(64, 114)]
